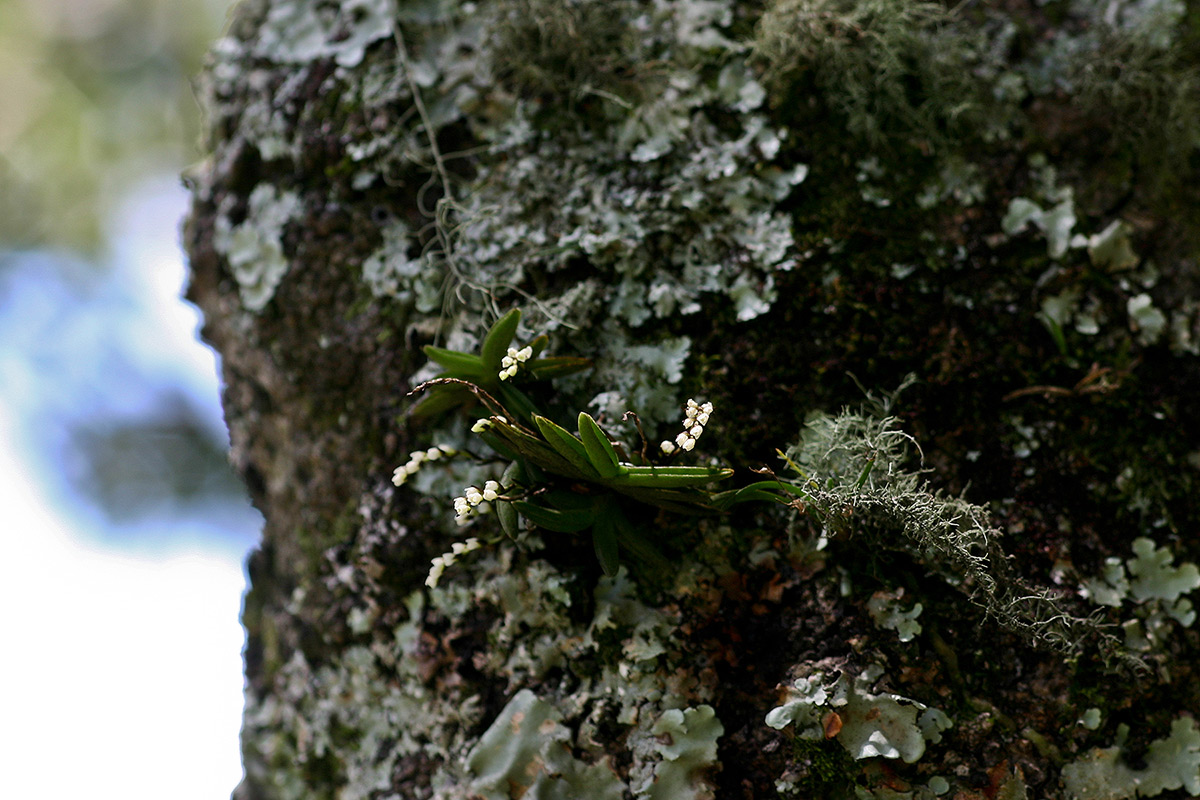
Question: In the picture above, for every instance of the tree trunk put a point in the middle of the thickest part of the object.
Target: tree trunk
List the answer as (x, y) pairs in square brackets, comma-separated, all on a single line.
[(852, 226)]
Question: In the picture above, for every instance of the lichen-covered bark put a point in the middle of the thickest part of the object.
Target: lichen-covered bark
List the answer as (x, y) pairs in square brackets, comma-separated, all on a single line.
[(784, 208)]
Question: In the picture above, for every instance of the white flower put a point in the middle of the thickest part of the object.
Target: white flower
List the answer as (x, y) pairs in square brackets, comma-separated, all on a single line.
[(696, 416), (473, 495), (419, 457), (439, 563), (491, 490), (481, 425), (436, 569), (513, 361)]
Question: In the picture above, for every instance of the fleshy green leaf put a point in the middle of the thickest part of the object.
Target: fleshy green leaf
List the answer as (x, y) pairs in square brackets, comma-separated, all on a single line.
[(556, 366), (440, 400), (553, 519), (670, 477), (566, 446), (678, 501), (454, 361), (604, 539), (507, 515), (765, 491), (541, 453), (496, 343), (599, 450), (517, 401)]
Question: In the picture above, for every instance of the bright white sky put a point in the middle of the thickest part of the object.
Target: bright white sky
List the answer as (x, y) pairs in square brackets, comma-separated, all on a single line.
[(121, 671), (121, 674)]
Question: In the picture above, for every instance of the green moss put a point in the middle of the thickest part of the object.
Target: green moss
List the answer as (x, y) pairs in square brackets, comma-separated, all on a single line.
[(575, 53), (830, 770), (897, 73), (1145, 93)]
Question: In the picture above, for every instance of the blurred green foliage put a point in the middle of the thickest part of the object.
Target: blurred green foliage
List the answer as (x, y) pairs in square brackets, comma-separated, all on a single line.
[(95, 94)]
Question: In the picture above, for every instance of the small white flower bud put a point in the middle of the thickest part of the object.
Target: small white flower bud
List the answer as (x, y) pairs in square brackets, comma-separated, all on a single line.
[(473, 496), (681, 439), (707, 408), (435, 573), (524, 354), (702, 418), (481, 425), (668, 447), (491, 490), (696, 431), (688, 444)]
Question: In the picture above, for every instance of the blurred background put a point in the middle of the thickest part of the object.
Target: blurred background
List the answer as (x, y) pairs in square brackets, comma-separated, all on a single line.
[(123, 530)]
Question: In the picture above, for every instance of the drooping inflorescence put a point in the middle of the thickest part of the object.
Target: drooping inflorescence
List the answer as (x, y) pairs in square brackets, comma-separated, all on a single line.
[(439, 563), (419, 457), (696, 417)]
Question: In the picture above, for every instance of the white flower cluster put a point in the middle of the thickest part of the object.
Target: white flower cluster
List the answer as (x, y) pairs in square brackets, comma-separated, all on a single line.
[(419, 457), (446, 559), (693, 425), (513, 361), (475, 501)]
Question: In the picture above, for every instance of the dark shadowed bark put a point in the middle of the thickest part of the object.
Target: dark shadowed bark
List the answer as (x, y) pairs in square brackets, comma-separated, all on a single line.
[(943, 258)]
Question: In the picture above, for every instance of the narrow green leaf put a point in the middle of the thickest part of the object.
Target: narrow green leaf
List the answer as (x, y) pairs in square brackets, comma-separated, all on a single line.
[(557, 366), (670, 477), (604, 539), (677, 501), (566, 445), (599, 449), (439, 400), (553, 519), (539, 344), (508, 519), (499, 443), (538, 452), (496, 343), (517, 401), (514, 475), (762, 491), (461, 363)]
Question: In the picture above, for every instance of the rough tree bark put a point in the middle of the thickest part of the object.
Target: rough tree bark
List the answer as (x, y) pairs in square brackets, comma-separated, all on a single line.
[(782, 207)]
